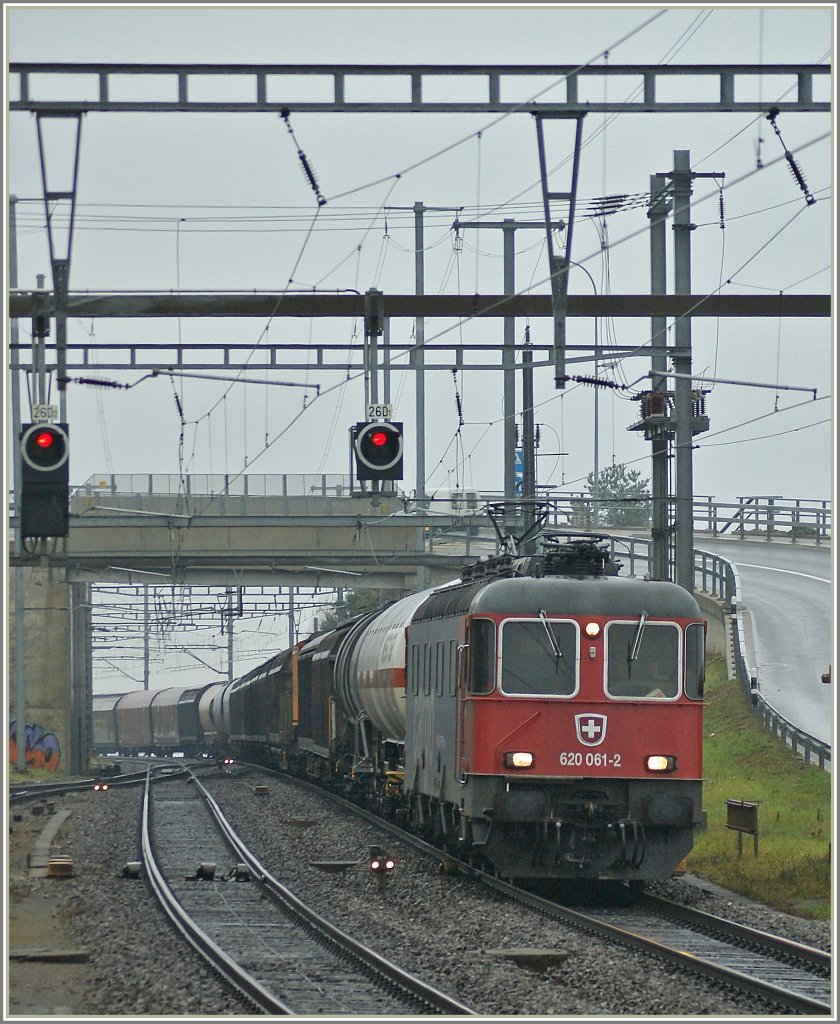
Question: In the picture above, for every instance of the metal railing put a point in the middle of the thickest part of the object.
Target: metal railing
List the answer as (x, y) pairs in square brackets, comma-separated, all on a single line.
[(756, 517), (216, 484)]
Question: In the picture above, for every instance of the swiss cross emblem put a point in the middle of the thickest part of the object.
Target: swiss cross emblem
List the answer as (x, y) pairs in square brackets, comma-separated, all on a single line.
[(591, 729)]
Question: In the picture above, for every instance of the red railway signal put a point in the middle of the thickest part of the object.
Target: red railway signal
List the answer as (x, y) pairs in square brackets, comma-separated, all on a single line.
[(378, 450), (45, 480)]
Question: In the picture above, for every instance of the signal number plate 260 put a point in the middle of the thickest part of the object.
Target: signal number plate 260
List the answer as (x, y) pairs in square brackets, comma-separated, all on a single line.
[(590, 759), (379, 412)]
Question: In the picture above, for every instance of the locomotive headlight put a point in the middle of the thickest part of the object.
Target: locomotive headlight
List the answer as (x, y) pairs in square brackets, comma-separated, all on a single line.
[(592, 629), (661, 763), (518, 759)]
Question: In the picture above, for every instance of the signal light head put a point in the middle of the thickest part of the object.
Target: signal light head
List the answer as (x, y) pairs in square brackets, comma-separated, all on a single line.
[(378, 450), (379, 864), (44, 446)]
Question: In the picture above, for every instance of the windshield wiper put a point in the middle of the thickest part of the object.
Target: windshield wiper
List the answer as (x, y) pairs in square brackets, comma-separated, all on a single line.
[(637, 641), (552, 639)]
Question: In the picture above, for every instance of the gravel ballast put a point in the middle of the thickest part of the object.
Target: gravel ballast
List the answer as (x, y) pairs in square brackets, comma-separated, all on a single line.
[(444, 929)]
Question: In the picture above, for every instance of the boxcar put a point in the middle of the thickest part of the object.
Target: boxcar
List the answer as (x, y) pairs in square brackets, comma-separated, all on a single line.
[(134, 721), (104, 723), (165, 725)]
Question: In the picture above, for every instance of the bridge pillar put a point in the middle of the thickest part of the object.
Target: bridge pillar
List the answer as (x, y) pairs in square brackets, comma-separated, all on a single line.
[(55, 719)]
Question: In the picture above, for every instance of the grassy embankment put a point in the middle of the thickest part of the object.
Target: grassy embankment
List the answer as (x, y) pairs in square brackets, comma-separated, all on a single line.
[(742, 762)]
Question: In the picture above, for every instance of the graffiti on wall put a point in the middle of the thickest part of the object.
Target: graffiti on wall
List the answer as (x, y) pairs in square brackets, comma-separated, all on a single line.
[(42, 748)]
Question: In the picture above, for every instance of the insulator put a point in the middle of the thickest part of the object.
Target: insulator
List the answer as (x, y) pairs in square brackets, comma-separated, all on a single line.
[(97, 383)]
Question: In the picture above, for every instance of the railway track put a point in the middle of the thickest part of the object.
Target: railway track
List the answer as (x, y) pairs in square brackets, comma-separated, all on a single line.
[(280, 955), (787, 974)]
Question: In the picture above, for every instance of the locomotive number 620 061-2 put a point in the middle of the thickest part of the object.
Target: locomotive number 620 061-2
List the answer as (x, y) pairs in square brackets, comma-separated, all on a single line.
[(575, 758)]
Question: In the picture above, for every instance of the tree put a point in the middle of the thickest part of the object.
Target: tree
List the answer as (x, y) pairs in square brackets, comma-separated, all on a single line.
[(623, 496), (356, 602)]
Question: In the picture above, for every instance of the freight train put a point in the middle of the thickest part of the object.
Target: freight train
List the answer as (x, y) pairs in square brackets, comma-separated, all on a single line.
[(542, 716)]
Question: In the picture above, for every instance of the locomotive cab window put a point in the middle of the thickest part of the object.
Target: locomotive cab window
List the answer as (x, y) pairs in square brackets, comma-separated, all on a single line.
[(482, 655), (695, 671), (539, 657), (642, 659)]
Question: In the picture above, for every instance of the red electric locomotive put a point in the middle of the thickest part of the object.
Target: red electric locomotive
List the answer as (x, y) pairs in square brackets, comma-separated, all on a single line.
[(573, 744)]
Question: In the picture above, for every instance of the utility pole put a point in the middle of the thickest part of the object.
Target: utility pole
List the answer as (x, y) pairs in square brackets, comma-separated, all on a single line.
[(508, 368), (687, 424), (145, 636), (374, 317), (660, 532), (227, 624), (529, 461), (418, 360), (20, 597), (291, 619), (681, 357)]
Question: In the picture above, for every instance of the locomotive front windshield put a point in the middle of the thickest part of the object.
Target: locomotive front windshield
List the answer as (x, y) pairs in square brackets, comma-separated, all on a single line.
[(643, 659), (539, 658)]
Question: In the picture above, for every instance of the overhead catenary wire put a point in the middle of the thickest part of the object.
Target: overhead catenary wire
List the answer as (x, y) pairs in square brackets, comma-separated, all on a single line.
[(502, 117), (461, 321)]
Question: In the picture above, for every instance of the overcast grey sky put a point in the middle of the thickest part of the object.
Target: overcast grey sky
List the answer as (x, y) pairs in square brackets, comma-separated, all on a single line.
[(214, 201)]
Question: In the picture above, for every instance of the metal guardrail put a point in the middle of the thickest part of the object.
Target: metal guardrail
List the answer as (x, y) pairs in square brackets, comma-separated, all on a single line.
[(768, 518), (716, 576)]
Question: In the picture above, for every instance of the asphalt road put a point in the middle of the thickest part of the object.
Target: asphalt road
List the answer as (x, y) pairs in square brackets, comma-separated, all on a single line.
[(786, 588)]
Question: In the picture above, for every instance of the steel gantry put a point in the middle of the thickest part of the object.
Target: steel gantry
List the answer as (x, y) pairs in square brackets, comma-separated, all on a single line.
[(333, 84)]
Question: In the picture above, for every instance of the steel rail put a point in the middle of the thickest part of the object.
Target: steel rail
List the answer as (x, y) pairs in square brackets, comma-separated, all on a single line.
[(249, 987), (418, 989), (700, 919)]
